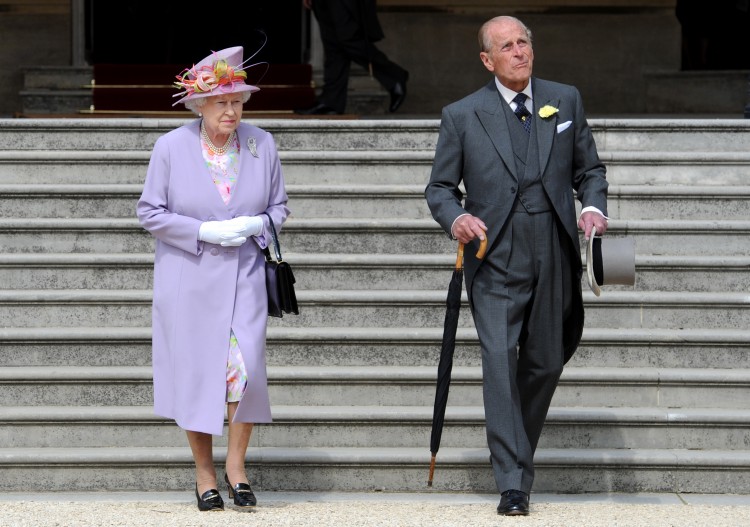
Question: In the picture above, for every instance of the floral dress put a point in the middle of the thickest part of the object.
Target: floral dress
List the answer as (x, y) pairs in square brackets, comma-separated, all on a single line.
[(224, 169)]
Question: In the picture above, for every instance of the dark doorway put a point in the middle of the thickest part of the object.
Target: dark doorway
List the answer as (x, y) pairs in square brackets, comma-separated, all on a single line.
[(158, 32), (136, 49), (715, 34)]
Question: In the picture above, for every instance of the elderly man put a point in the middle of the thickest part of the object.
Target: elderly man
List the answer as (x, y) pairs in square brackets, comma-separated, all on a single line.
[(521, 145)]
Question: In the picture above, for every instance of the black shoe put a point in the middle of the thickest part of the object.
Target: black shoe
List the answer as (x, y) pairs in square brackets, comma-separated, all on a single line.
[(241, 493), (319, 109), (398, 94), (209, 500), (513, 503)]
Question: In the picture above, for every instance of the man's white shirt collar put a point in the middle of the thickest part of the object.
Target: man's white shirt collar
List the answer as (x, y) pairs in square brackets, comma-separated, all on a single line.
[(508, 94)]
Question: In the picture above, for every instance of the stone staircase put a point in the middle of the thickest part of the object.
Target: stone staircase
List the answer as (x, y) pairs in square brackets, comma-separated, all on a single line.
[(654, 400)]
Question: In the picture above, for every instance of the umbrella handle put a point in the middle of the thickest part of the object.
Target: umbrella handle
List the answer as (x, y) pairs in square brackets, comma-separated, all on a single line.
[(460, 253), (482, 248)]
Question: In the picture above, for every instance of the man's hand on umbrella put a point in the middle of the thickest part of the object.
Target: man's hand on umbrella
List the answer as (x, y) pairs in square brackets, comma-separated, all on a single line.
[(592, 219), (468, 227)]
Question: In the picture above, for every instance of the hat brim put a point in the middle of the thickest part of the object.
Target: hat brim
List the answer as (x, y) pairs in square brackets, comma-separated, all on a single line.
[(609, 261), (237, 88), (233, 56), (590, 264)]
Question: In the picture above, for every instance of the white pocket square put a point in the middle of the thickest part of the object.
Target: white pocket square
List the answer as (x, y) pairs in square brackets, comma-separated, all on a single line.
[(564, 126)]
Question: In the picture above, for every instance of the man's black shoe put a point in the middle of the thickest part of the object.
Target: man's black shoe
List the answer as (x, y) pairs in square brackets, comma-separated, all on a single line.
[(513, 503), (398, 94), (318, 109)]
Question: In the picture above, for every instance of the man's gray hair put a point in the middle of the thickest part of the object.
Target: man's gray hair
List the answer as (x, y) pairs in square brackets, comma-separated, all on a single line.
[(485, 43)]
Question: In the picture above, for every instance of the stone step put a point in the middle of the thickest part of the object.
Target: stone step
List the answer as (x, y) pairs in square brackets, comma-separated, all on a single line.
[(291, 345), (661, 309), (399, 236), (624, 168), (381, 426), (665, 237), (387, 167), (372, 201), (289, 134), (684, 202), (359, 236), (635, 151), (69, 201), (379, 469), (45, 101), (371, 308), (669, 167), (632, 202), (64, 167), (339, 271), (646, 135), (670, 135), (77, 270), (387, 386), (59, 77)]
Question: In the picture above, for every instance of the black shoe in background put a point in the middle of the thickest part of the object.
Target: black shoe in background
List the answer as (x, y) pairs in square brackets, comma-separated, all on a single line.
[(319, 109), (398, 94)]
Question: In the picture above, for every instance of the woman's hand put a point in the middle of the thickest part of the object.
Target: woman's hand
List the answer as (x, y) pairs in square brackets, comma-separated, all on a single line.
[(248, 225), (222, 233)]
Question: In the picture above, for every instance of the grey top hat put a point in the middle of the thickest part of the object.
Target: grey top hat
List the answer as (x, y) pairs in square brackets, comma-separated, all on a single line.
[(609, 261)]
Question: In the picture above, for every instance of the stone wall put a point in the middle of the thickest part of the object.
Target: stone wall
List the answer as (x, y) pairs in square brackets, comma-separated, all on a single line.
[(616, 52), (605, 52), (32, 32)]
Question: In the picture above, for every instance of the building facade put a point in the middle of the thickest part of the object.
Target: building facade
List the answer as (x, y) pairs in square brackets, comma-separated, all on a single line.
[(628, 58)]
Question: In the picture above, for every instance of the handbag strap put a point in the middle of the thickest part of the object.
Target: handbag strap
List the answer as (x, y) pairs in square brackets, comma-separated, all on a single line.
[(275, 238)]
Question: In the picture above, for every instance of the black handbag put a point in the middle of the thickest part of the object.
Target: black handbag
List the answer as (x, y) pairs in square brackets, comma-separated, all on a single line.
[(279, 280)]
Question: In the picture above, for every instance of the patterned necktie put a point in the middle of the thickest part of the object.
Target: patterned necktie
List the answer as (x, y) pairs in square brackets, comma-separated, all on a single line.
[(521, 112)]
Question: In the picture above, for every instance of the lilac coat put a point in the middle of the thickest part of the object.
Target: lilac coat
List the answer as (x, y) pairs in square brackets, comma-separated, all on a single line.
[(201, 290)]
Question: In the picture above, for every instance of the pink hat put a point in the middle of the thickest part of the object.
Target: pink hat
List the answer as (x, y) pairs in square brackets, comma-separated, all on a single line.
[(219, 73)]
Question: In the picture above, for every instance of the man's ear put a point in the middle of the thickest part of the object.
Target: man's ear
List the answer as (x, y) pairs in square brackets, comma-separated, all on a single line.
[(485, 58)]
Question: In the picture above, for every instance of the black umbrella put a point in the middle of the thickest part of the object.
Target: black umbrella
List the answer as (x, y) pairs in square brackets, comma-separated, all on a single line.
[(453, 306)]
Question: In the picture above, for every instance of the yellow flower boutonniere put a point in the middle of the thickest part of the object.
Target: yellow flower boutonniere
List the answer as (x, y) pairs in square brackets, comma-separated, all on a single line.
[(547, 111)]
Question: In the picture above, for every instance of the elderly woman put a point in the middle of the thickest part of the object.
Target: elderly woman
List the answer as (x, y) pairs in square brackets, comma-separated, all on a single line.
[(208, 189)]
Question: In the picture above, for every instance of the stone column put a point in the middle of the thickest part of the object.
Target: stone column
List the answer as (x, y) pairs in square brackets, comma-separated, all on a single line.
[(78, 33)]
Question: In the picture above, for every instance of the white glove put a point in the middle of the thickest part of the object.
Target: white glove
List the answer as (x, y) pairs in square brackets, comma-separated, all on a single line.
[(234, 242), (221, 233), (248, 225)]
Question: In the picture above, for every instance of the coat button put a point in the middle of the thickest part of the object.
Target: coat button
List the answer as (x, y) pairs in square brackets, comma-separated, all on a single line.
[(512, 190), (214, 251)]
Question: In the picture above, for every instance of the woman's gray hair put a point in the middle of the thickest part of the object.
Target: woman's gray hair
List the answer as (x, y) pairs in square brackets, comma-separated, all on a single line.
[(485, 42), (194, 105)]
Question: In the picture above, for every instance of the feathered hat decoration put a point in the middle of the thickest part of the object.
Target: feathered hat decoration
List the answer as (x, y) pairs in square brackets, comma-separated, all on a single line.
[(221, 72)]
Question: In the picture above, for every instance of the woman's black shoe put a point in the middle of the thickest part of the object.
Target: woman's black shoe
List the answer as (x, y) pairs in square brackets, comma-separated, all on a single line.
[(210, 500), (241, 493)]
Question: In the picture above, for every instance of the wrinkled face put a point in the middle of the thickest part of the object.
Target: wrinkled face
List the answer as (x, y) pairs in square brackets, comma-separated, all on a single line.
[(510, 57), (222, 114)]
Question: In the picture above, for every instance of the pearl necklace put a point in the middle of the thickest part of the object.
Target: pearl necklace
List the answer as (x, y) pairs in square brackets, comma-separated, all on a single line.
[(216, 150)]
